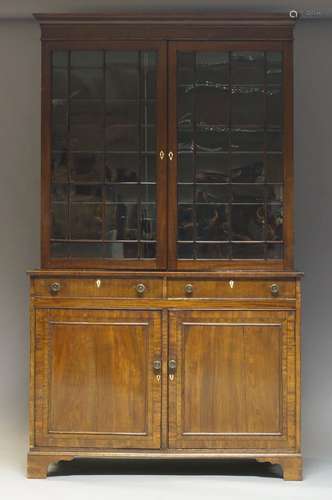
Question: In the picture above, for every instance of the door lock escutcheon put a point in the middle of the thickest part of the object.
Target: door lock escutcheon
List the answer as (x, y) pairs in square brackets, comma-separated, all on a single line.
[(157, 368)]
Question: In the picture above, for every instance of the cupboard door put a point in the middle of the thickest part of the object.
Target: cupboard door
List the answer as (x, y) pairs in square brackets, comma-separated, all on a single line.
[(234, 385), (104, 183), (94, 378), (230, 135)]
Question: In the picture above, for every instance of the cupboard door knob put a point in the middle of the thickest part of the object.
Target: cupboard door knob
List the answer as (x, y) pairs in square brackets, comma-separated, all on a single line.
[(140, 288), (275, 289), (189, 288), (157, 368), (54, 287), (171, 368)]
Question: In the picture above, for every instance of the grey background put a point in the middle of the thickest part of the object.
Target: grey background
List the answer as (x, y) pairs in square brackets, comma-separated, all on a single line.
[(20, 188)]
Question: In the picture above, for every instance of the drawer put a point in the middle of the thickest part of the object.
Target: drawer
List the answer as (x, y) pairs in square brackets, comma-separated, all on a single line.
[(230, 288), (98, 287)]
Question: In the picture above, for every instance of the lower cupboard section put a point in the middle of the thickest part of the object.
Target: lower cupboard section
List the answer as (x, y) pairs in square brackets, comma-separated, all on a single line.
[(204, 380)]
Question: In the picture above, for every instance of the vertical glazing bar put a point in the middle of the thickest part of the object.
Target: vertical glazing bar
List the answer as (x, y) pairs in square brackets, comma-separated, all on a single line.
[(265, 156), (230, 154), (103, 229), (139, 157), (194, 205), (69, 157)]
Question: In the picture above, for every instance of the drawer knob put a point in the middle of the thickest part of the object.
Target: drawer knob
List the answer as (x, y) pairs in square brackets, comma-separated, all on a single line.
[(189, 288), (275, 289), (140, 288), (55, 287)]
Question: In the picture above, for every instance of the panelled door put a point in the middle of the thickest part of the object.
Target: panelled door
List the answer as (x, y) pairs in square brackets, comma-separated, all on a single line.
[(232, 384), (98, 381)]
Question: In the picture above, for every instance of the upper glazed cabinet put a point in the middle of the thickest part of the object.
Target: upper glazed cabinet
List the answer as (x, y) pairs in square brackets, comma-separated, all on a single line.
[(161, 154)]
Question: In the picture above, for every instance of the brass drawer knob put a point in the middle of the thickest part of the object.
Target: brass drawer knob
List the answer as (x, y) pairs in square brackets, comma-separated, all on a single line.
[(189, 288), (140, 288), (54, 287), (275, 289)]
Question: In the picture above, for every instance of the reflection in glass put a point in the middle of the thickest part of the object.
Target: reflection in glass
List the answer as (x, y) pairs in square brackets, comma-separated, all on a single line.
[(212, 222), (248, 222), (274, 222), (247, 168), (213, 251), (86, 221), (185, 222), (229, 144), (121, 222), (103, 160), (87, 167), (248, 251), (59, 220)]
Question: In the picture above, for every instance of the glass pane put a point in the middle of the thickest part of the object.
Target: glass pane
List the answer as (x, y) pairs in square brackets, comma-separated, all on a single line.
[(60, 83), (122, 75), (185, 250), (60, 58), (121, 222), (248, 106), (247, 67), (246, 139), (273, 105), (148, 250), (230, 175), (213, 251), (274, 170), (247, 168), (59, 220), (274, 251), (86, 221), (59, 167), (86, 250), (248, 222), (124, 250), (87, 58), (59, 192), (185, 222), (122, 193), (103, 154), (87, 167), (212, 194), (248, 251), (59, 250), (274, 67), (274, 223), (148, 222), (248, 193), (212, 167), (86, 193), (86, 83), (212, 222)]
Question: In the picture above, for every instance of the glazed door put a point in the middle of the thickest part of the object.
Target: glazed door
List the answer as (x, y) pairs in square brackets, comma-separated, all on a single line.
[(230, 139), (97, 382), (233, 385), (104, 175)]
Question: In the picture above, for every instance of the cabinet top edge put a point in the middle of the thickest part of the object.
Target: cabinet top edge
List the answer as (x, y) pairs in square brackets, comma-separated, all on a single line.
[(160, 274), (214, 17)]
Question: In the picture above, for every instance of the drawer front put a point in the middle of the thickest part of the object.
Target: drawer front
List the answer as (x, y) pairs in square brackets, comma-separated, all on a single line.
[(98, 287), (232, 288)]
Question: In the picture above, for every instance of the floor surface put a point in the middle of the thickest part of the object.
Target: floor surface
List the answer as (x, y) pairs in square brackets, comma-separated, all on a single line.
[(94, 480)]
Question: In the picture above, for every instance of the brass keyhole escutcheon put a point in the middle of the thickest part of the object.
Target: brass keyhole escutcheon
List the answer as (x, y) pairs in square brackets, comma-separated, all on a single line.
[(98, 283), (231, 283)]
